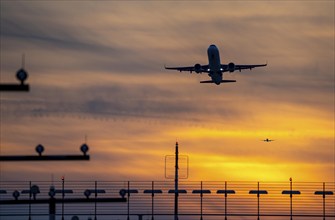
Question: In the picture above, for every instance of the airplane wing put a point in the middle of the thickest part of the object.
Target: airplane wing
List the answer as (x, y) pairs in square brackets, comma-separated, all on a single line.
[(196, 68), (231, 66)]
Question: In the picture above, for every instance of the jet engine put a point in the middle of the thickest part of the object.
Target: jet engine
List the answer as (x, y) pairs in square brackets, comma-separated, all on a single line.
[(231, 67), (197, 68)]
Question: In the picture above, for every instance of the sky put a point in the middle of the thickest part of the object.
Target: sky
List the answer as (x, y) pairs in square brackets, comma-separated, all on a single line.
[(96, 73)]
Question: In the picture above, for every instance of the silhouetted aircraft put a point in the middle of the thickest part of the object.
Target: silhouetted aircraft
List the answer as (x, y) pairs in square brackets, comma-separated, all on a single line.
[(214, 68), (267, 140)]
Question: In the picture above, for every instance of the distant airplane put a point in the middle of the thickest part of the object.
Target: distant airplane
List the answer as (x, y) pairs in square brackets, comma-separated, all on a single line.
[(214, 68), (267, 140)]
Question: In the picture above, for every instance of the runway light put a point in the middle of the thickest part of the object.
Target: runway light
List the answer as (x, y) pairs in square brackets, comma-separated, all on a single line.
[(204, 191), (323, 193), (88, 192), (34, 189), (123, 192), (291, 192), (258, 192), (53, 191), (39, 149), (16, 194), (225, 191), (84, 148), (152, 191), (178, 191)]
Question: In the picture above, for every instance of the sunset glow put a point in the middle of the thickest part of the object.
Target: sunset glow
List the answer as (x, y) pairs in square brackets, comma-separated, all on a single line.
[(96, 72)]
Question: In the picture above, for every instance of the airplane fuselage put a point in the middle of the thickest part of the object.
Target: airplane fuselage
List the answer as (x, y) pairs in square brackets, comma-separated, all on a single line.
[(214, 64)]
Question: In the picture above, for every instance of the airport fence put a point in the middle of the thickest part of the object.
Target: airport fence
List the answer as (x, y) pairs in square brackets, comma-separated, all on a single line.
[(156, 200)]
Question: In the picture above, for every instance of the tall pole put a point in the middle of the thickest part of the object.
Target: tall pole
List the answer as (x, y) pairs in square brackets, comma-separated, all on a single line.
[(128, 195), (176, 185), (152, 200), (201, 201), (225, 200), (95, 202), (63, 197), (52, 208), (258, 200), (291, 196), (29, 200), (324, 201)]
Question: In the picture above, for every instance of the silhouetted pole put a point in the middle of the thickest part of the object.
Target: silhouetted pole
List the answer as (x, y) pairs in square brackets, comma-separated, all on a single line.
[(29, 200), (324, 193), (52, 208), (128, 195), (291, 192), (291, 197), (201, 201), (176, 185), (95, 198), (258, 201), (324, 202), (152, 192), (258, 193), (152, 200), (63, 194), (225, 200)]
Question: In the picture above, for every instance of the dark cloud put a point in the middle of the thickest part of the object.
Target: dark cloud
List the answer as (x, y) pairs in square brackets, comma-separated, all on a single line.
[(137, 101), (75, 46)]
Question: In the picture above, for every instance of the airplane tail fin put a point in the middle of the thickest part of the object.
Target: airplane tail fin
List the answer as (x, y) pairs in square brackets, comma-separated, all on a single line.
[(223, 81)]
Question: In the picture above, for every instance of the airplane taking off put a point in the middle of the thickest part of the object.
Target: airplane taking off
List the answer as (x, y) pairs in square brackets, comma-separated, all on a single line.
[(214, 67)]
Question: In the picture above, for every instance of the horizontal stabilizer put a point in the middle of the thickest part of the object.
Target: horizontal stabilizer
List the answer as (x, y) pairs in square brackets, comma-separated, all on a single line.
[(223, 81)]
